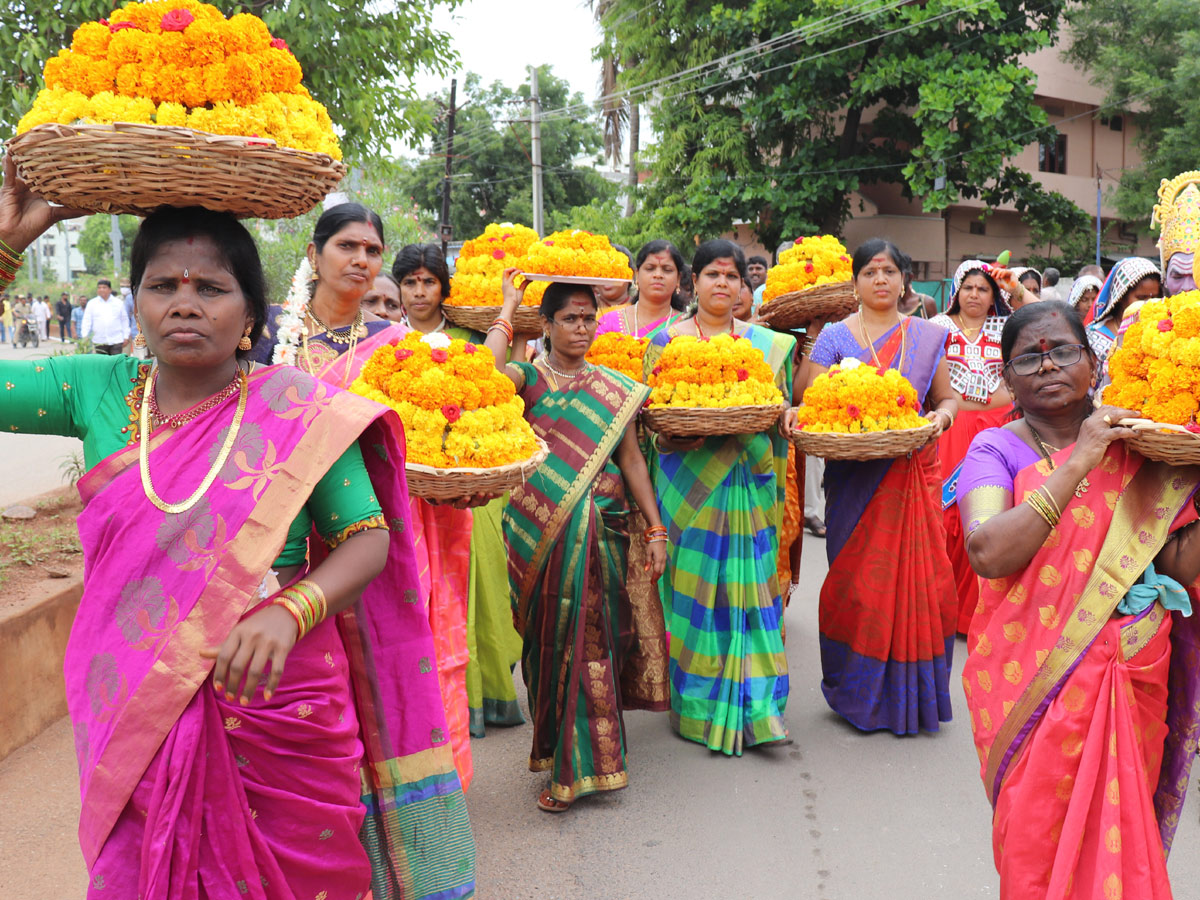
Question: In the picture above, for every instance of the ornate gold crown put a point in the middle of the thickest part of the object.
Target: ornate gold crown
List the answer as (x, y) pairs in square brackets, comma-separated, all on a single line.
[(1178, 213)]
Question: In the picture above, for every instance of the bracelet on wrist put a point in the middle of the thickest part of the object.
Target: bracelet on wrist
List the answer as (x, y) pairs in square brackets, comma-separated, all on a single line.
[(307, 604)]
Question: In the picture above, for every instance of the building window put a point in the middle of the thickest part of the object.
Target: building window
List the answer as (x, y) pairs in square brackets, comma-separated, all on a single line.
[(977, 227), (1114, 123), (1052, 156)]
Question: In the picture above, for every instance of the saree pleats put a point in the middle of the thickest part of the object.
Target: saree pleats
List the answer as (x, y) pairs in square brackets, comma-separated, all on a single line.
[(729, 682), (887, 605), (644, 675), (493, 642), (1076, 816), (442, 538)]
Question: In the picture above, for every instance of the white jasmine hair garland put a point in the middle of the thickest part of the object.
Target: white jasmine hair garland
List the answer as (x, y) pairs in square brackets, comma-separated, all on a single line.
[(291, 329)]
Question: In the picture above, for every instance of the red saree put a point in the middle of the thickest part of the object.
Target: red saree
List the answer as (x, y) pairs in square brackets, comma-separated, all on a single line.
[(1068, 702)]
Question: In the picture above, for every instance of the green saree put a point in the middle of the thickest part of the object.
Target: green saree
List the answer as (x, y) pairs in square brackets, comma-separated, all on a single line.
[(567, 536)]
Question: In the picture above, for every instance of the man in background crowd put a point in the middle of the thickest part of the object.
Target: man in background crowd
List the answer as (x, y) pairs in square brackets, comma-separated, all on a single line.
[(105, 321), (62, 312)]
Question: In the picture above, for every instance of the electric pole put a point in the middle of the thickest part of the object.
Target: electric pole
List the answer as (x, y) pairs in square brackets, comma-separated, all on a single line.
[(114, 234), (445, 231), (535, 128)]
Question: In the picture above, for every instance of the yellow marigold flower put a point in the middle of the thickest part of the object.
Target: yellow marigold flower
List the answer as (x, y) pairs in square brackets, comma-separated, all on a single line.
[(856, 399), (809, 262), (91, 39), (620, 352), (693, 372), (576, 253)]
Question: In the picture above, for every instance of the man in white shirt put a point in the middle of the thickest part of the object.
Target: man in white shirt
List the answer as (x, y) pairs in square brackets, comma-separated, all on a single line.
[(104, 320), (41, 312)]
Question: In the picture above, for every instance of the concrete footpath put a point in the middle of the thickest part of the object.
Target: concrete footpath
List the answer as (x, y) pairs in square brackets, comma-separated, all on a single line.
[(836, 815)]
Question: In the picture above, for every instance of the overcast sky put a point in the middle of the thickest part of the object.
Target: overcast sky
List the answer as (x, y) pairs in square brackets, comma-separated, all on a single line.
[(498, 41)]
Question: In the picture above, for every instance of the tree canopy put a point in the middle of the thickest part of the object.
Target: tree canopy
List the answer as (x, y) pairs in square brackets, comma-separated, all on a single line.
[(1147, 55), (492, 165), (775, 111), (359, 59)]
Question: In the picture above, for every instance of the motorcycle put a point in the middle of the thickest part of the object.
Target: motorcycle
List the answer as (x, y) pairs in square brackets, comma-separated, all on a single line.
[(25, 331)]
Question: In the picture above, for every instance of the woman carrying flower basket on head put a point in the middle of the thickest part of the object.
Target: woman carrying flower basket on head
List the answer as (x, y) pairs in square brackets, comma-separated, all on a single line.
[(729, 682), (887, 606), (657, 301), (976, 314), (203, 774), (567, 536), (1131, 280), (1082, 675), (478, 641)]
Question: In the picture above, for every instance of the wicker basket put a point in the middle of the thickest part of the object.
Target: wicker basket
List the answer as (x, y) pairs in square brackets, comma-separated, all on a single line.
[(1175, 445), (127, 168), (690, 421), (798, 308), (870, 445), (431, 483), (526, 320)]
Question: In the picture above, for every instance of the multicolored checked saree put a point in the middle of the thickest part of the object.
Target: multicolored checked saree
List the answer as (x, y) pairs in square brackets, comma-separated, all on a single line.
[(888, 604), (186, 795), (567, 536), (723, 507), (1085, 719)]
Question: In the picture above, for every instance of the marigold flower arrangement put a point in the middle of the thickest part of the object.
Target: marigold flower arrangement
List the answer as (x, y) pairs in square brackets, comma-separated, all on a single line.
[(620, 352), (854, 398), (576, 253), (482, 261), (182, 63), (1156, 370), (712, 372), (809, 262), (458, 410)]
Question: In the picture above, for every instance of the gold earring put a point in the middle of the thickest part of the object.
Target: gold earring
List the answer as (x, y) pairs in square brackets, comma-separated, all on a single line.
[(244, 344), (139, 339)]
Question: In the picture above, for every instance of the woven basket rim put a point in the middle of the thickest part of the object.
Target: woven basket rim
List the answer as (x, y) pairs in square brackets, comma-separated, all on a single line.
[(538, 457), (921, 429)]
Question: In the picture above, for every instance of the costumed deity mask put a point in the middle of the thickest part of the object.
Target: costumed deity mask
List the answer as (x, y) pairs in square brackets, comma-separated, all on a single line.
[(1177, 213)]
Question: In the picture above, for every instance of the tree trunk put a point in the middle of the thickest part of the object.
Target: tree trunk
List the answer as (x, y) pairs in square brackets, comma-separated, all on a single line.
[(632, 180)]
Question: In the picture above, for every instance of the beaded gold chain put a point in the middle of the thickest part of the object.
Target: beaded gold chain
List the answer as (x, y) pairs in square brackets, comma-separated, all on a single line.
[(182, 418), (1043, 448), (218, 464)]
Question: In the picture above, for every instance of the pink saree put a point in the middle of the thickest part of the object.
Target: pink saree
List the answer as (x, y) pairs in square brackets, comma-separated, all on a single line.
[(187, 796), (1084, 740), (441, 537)]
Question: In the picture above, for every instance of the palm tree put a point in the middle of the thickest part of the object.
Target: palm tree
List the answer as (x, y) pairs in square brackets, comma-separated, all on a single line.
[(617, 113)]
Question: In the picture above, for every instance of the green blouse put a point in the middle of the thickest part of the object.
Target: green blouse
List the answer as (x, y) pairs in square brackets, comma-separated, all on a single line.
[(98, 400)]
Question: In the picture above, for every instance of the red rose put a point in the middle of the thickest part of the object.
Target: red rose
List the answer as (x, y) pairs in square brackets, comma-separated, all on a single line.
[(656, 370), (394, 341), (469, 349), (799, 240), (808, 267), (900, 401), (1166, 325), (104, 22), (742, 374), (493, 239), (497, 254), (451, 411), (549, 243), (853, 411), (177, 20), (120, 26), (439, 355), (280, 44), (402, 354)]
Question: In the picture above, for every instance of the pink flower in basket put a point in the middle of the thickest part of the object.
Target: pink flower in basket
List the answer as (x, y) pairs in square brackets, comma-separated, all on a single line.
[(120, 26), (439, 355), (452, 412), (280, 44), (177, 20)]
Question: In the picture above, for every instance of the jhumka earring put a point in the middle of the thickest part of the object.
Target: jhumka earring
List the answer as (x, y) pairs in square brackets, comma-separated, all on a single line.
[(244, 344), (139, 339)]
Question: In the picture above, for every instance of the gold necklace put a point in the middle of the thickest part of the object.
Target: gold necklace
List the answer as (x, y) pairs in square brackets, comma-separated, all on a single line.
[(862, 328), (968, 333), (182, 418), (696, 322), (144, 453), (1044, 449), (343, 335)]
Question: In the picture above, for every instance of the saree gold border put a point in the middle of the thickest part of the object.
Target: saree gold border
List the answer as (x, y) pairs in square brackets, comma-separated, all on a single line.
[(160, 699), (1137, 635), (95, 481), (1154, 482), (587, 472)]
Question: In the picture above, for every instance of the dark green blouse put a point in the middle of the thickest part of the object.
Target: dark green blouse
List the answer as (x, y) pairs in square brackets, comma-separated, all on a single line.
[(98, 399)]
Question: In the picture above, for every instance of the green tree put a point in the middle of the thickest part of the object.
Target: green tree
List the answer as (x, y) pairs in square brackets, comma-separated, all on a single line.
[(1147, 56), (359, 59), (492, 167), (775, 111), (95, 243)]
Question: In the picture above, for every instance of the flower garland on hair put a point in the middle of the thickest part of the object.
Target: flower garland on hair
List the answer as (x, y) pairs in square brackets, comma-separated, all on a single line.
[(291, 328)]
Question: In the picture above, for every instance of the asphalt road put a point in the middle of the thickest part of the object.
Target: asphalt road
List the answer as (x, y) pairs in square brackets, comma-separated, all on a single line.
[(836, 815), (31, 464)]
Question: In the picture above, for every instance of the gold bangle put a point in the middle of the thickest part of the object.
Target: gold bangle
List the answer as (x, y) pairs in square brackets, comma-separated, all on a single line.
[(306, 602), (1038, 503), (1044, 492)]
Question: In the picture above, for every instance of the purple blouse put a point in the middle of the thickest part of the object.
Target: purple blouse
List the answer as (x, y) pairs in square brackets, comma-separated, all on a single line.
[(989, 470)]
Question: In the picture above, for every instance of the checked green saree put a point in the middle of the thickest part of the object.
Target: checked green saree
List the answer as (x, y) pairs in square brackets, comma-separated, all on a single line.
[(567, 535), (722, 504)]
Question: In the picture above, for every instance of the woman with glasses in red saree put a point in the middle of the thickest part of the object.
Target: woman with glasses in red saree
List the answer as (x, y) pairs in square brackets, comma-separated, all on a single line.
[(247, 722), (1083, 549)]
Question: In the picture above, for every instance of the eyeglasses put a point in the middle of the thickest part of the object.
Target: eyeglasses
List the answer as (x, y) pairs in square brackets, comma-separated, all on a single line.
[(1062, 356)]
